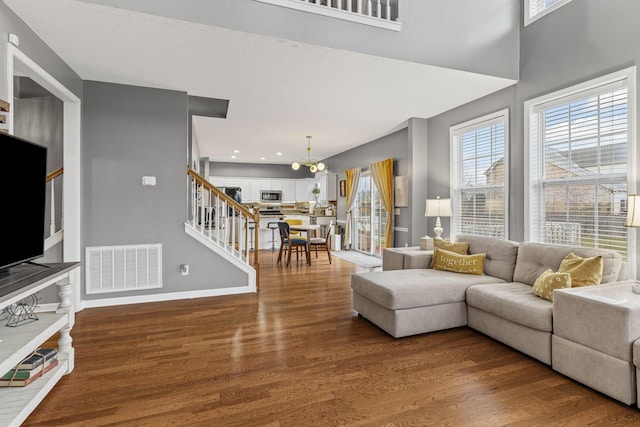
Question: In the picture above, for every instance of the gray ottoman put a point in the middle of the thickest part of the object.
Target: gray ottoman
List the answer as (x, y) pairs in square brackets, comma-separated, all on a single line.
[(410, 302)]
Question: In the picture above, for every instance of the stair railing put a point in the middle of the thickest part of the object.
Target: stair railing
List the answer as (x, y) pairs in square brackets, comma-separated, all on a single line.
[(54, 179), (223, 220)]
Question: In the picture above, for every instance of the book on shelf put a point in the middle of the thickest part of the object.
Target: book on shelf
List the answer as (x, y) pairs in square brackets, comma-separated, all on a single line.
[(37, 358), (23, 374), (24, 382)]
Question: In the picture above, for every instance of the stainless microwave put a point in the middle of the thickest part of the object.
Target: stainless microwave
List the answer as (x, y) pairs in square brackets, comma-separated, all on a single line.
[(270, 196)]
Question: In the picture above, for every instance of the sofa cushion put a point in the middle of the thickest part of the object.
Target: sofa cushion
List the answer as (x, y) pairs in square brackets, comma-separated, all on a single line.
[(401, 289), (513, 301), (535, 258), (583, 271), (461, 248), (549, 281), (500, 255), (451, 261)]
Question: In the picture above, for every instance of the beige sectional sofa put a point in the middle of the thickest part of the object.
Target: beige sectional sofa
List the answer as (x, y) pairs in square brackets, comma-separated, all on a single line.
[(500, 303)]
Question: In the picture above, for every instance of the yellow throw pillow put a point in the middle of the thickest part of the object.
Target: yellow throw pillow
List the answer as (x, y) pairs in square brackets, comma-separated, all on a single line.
[(583, 271), (461, 248), (451, 261), (548, 281)]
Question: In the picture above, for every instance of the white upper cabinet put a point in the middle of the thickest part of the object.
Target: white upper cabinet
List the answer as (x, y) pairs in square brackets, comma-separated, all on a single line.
[(328, 184), (289, 190)]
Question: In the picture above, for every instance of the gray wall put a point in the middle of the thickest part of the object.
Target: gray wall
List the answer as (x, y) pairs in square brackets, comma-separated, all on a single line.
[(35, 49), (253, 170), (438, 161), (126, 137), (470, 35), (579, 41), (395, 146)]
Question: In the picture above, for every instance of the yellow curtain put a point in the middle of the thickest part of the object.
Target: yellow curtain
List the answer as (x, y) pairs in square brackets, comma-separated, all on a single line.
[(353, 177), (382, 174)]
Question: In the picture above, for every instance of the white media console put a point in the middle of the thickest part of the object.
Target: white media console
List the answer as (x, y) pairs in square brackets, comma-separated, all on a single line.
[(16, 403)]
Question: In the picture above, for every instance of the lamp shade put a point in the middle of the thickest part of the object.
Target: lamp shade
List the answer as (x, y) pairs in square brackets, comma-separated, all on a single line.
[(633, 211), (438, 207)]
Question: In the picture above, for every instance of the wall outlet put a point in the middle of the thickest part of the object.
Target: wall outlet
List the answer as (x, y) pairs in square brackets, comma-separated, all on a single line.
[(184, 269)]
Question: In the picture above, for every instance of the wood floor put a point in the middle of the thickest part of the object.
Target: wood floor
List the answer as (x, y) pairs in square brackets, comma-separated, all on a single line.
[(296, 354)]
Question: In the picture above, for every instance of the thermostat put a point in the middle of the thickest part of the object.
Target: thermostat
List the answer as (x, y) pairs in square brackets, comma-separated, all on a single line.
[(148, 180)]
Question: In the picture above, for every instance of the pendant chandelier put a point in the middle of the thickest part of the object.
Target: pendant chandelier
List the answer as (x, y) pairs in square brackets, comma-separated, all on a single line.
[(313, 165)]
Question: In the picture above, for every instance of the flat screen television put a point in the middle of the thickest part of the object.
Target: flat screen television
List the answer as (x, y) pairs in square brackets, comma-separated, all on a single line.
[(23, 175)]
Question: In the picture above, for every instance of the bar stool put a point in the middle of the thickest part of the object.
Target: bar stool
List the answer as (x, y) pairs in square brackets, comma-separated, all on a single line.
[(273, 226)]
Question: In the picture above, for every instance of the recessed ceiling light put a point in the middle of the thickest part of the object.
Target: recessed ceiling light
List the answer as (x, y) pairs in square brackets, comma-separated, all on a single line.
[(279, 153), (236, 151), (234, 157), (261, 158)]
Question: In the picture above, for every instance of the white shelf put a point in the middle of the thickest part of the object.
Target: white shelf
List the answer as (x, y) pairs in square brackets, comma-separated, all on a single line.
[(16, 403), (19, 342), (19, 402)]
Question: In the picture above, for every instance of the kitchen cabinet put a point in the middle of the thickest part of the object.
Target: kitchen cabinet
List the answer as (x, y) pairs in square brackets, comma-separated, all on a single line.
[(328, 183), (293, 190), (303, 189), (274, 184), (289, 190), (254, 190)]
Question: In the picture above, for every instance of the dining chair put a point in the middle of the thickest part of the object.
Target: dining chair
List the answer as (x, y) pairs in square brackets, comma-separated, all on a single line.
[(289, 243), (295, 233), (322, 242)]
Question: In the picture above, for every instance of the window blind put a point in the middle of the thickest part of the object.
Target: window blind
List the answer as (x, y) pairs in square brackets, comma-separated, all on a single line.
[(580, 155), (535, 9), (479, 176)]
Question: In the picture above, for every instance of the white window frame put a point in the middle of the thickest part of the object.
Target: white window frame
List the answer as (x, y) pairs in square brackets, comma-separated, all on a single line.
[(533, 190), (528, 19), (454, 131)]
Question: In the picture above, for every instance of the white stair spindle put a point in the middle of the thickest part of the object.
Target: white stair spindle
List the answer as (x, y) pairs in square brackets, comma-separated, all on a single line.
[(340, 4), (378, 9), (369, 7), (389, 9), (210, 214), (52, 226), (359, 6)]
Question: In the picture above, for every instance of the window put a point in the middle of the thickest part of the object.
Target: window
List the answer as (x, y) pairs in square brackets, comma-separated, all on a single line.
[(479, 176), (536, 9), (579, 160), (370, 217)]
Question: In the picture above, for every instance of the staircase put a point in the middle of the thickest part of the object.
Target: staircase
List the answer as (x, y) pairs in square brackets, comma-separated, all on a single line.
[(216, 220), (223, 225)]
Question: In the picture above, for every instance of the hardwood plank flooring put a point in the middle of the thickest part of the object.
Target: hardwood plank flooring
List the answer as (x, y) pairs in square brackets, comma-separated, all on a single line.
[(296, 354)]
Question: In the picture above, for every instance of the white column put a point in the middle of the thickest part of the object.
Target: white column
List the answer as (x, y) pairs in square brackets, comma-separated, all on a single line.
[(66, 350)]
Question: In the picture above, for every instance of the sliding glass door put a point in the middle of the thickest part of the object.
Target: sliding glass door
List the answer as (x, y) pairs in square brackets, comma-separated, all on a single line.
[(370, 217)]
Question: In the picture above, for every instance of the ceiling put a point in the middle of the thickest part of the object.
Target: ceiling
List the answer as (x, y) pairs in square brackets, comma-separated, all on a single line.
[(279, 91)]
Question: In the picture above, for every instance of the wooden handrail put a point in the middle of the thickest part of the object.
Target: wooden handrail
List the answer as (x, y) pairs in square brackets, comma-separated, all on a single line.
[(56, 173)]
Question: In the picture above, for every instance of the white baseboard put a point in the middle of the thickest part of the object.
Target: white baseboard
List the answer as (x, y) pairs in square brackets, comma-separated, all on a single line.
[(109, 302)]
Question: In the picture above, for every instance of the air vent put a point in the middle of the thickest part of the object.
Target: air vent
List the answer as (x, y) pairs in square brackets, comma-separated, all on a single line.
[(123, 268)]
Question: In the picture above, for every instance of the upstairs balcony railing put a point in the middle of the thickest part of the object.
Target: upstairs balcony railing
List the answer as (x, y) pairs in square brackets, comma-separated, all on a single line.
[(378, 13)]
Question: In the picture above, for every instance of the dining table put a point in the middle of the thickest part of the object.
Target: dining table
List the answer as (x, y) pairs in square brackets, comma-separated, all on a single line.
[(306, 229)]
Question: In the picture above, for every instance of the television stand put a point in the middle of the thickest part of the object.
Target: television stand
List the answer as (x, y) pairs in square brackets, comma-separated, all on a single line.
[(38, 264), (19, 342)]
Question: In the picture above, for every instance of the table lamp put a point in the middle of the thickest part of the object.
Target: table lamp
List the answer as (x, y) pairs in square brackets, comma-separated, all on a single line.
[(633, 220), (438, 207)]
